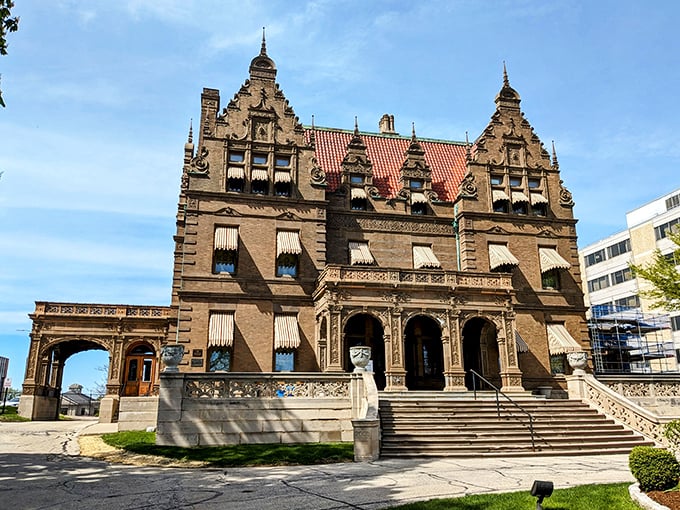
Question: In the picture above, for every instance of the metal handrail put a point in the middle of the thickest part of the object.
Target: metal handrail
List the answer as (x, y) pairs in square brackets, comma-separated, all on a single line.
[(476, 376)]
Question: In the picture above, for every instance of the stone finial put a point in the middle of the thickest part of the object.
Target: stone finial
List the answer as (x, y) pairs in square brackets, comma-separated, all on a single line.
[(555, 164), (263, 49)]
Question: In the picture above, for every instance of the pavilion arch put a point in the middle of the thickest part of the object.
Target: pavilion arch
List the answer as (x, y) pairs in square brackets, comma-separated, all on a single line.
[(364, 328)]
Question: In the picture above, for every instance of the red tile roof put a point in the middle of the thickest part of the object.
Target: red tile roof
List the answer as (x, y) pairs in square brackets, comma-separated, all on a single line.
[(387, 153)]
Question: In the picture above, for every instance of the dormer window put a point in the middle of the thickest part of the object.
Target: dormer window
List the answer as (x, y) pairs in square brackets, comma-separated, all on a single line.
[(356, 179), (515, 182), (236, 157), (259, 159), (418, 204), (282, 177), (358, 200), (235, 178), (416, 184), (259, 181), (534, 183), (282, 161), (496, 180)]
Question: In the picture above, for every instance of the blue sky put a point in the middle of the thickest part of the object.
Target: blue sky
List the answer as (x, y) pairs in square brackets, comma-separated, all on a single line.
[(100, 94)]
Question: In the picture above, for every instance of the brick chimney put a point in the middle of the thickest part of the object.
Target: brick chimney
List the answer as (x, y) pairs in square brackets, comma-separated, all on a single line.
[(386, 125)]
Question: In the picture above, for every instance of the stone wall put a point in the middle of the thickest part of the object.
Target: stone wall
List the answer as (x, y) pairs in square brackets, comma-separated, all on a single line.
[(212, 409), (137, 413)]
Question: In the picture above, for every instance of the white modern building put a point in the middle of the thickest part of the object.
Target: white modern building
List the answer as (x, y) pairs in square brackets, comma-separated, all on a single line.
[(612, 292)]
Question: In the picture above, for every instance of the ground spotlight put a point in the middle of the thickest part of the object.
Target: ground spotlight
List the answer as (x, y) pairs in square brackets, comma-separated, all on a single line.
[(540, 490)]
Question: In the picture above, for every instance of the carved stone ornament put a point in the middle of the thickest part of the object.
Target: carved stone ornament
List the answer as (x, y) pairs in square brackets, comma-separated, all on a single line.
[(373, 192), (318, 176), (360, 355), (171, 356), (578, 360), (566, 199), (467, 188), (199, 164)]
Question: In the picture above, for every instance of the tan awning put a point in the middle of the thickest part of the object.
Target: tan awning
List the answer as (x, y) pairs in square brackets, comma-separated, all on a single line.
[(235, 172), (519, 197), (286, 332), (221, 329), (359, 254), (560, 341), (520, 344), (226, 238), (281, 176), (259, 174), (288, 242), (423, 256), (499, 255), (550, 259), (418, 198), (357, 193), (499, 195), (537, 198)]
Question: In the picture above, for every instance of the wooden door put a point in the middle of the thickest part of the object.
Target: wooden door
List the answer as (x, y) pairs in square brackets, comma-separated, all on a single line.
[(140, 366)]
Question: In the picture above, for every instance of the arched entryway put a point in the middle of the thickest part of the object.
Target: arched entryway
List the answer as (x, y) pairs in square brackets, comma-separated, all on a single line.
[(424, 354), (480, 351), (364, 329), (140, 370)]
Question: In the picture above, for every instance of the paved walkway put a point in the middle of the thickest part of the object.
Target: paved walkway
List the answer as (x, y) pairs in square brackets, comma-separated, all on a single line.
[(38, 471)]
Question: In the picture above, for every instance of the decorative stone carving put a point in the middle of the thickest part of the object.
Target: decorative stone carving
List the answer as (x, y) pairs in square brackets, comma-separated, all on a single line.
[(199, 165), (577, 360), (360, 355), (171, 355), (566, 200), (385, 225), (467, 187), (317, 175)]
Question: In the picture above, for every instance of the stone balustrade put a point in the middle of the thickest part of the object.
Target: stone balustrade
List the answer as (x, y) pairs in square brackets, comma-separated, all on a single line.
[(100, 310)]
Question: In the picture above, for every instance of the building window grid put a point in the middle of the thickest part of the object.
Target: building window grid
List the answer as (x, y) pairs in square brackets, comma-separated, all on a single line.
[(598, 283), (618, 248), (627, 302), (516, 183), (673, 202), (675, 323), (595, 258), (662, 231), (621, 276)]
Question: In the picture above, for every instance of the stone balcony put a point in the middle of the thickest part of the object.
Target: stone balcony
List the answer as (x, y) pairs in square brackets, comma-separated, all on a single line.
[(43, 308)]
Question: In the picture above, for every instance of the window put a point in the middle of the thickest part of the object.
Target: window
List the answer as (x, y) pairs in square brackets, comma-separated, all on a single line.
[(520, 208), (675, 323), (501, 206), (219, 359), (501, 260), (236, 157), (558, 364), (283, 161), (225, 256), (259, 159), (288, 251), (424, 258), (673, 202), (282, 185), (673, 257), (627, 302), (539, 210), (419, 209), (534, 183), (259, 187), (595, 258), (619, 248), (550, 280), (515, 181), (622, 276), (356, 179), (284, 361), (360, 254), (662, 231), (235, 178), (496, 179), (416, 183), (358, 199), (598, 283)]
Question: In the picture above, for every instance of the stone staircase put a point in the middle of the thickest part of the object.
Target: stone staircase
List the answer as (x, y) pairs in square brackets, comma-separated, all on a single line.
[(437, 424)]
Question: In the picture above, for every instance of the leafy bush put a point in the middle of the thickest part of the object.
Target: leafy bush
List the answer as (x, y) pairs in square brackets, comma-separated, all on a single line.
[(654, 468), (672, 432)]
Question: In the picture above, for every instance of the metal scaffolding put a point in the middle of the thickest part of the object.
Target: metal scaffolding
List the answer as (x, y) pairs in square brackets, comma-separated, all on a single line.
[(628, 341)]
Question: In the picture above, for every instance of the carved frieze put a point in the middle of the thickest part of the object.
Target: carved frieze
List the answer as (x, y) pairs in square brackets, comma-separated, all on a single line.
[(386, 225), (199, 164)]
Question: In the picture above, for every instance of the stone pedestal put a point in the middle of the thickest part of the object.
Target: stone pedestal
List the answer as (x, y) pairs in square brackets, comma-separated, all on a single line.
[(108, 409), (366, 440)]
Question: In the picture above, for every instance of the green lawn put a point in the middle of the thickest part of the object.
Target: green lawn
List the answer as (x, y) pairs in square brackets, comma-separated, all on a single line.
[(10, 414), (586, 497), (235, 455)]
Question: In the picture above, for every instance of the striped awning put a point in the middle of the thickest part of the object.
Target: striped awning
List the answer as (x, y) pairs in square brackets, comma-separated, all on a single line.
[(221, 329), (423, 256), (519, 197), (286, 332), (359, 254), (281, 176), (357, 193), (235, 172), (520, 344), (418, 198), (550, 259), (226, 238), (259, 174), (499, 195), (560, 341), (537, 198), (288, 242), (499, 255)]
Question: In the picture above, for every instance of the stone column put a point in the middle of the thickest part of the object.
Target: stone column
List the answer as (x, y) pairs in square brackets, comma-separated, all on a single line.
[(335, 338), (511, 376), (395, 374), (454, 374)]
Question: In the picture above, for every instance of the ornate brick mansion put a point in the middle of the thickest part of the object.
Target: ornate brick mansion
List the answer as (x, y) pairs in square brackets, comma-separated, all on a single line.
[(295, 243)]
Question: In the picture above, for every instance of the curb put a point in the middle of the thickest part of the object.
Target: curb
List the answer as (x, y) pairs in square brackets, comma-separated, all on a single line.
[(643, 500)]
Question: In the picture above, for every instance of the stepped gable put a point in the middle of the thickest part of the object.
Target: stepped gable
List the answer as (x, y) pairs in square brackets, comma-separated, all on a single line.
[(446, 159)]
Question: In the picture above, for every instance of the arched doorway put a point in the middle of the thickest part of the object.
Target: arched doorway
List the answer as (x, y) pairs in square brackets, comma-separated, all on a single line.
[(140, 370), (480, 351), (424, 354), (364, 329)]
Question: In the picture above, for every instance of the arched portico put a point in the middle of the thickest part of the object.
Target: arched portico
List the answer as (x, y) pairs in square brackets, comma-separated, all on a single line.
[(365, 329), (423, 354), (61, 330)]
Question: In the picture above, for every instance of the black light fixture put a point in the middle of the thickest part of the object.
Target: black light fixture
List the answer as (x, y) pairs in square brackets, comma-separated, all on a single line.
[(540, 490)]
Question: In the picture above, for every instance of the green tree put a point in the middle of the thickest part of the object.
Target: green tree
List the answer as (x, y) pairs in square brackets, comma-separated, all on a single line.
[(664, 276), (8, 24)]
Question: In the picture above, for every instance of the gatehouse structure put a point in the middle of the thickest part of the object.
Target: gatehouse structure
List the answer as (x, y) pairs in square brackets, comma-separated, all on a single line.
[(295, 243)]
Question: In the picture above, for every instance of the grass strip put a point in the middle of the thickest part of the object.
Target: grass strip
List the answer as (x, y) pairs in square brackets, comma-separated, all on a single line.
[(235, 455)]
